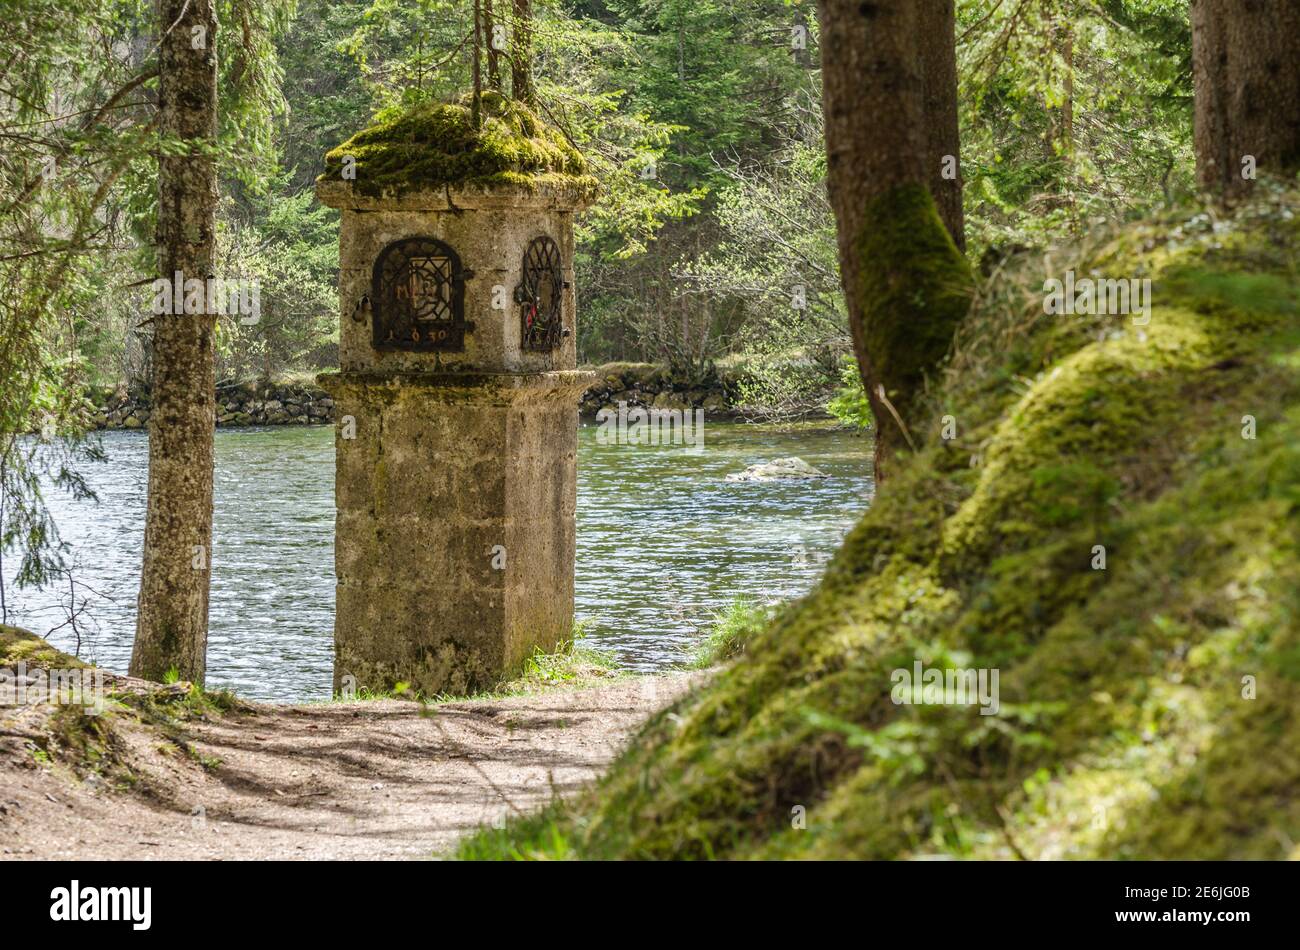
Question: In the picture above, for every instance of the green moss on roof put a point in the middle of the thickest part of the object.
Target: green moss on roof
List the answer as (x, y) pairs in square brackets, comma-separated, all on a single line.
[(435, 144)]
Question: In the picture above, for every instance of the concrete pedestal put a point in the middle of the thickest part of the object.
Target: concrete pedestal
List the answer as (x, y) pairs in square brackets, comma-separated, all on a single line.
[(454, 545)]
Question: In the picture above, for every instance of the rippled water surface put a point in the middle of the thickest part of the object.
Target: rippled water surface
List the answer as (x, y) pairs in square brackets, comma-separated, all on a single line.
[(663, 542)]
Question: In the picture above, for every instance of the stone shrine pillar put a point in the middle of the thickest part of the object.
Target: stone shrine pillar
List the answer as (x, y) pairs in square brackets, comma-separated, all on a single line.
[(456, 415)]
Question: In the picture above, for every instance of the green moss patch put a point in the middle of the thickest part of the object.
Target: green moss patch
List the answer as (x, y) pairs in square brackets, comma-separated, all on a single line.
[(915, 287), (1149, 708), (83, 731), (22, 646), (436, 144)]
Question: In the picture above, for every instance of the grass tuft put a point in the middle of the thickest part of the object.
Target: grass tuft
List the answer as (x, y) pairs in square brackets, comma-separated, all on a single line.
[(732, 628)]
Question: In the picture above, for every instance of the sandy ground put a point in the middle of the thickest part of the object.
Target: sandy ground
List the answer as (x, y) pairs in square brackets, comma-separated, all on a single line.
[(374, 779)]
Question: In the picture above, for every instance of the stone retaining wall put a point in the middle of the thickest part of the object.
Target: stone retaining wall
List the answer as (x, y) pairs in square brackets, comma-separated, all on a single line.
[(271, 404), (644, 384), (242, 404)]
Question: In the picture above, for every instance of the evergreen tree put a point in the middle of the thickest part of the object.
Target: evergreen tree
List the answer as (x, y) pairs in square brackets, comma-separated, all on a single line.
[(172, 618)]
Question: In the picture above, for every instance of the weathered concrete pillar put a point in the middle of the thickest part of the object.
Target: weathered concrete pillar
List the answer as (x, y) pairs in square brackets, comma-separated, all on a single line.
[(456, 400)]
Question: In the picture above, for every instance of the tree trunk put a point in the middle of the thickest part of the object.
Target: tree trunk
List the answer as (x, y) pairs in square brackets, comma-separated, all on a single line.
[(1247, 87), (801, 52), (478, 64), (521, 53), (906, 283), (937, 41), (493, 54), (172, 624)]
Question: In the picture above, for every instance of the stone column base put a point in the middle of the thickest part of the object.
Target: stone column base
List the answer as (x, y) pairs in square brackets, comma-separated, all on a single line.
[(454, 540)]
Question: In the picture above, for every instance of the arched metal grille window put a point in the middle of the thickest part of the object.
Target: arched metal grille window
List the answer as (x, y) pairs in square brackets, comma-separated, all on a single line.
[(540, 296), (418, 297)]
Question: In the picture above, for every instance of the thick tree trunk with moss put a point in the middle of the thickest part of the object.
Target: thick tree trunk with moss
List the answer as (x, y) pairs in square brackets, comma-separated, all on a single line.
[(1247, 86), (937, 42), (906, 283), (172, 624)]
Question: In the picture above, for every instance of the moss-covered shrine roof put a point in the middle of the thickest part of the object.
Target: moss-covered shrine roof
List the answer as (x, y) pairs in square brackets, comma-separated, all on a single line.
[(433, 145)]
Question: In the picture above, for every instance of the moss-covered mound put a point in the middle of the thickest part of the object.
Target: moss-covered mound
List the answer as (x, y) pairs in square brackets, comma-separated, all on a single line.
[(1149, 704), (435, 145), (22, 646)]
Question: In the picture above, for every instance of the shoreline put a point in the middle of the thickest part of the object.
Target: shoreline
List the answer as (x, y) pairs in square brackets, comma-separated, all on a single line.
[(269, 403)]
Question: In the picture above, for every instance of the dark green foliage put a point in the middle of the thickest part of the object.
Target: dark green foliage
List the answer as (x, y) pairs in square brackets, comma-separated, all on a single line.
[(1071, 112)]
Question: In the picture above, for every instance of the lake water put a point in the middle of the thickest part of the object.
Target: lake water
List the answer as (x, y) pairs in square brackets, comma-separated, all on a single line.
[(664, 541)]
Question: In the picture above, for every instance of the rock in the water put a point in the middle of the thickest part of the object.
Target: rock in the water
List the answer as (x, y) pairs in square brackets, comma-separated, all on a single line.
[(777, 469)]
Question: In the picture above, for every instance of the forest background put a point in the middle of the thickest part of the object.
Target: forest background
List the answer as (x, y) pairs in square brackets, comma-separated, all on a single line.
[(713, 243)]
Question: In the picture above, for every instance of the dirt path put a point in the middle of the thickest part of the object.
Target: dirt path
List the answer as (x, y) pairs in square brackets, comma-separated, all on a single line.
[(373, 779)]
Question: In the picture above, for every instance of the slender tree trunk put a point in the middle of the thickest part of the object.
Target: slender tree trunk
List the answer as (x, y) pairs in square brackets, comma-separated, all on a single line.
[(681, 51), (478, 64), (1067, 107), (906, 283), (801, 53), (937, 44), (493, 54), (521, 53), (172, 625), (1247, 87)]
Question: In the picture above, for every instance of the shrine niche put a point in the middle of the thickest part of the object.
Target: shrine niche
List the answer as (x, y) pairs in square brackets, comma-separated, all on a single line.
[(540, 296), (418, 297)]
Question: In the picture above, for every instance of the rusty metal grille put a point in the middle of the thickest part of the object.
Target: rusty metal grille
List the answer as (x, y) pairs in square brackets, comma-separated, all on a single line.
[(418, 297), (540, 296)]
